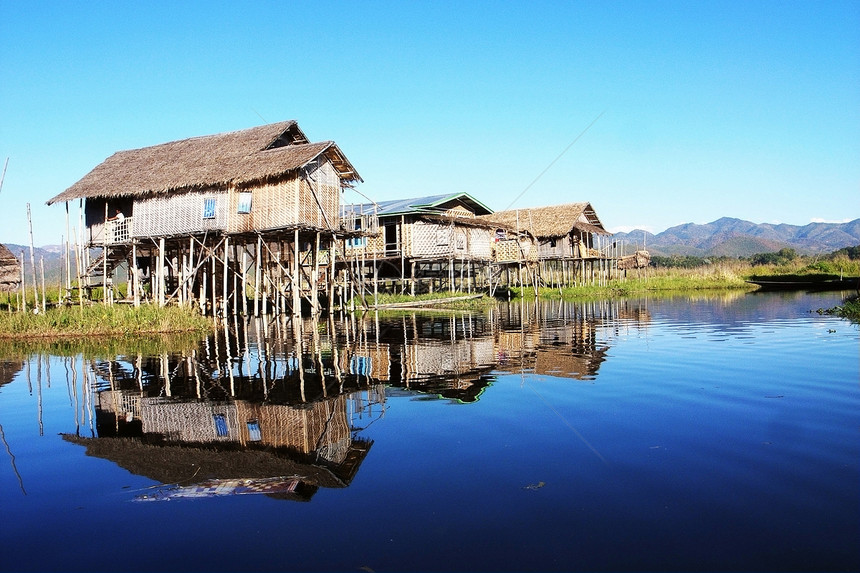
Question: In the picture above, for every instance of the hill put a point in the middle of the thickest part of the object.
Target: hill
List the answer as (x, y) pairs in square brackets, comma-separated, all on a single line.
[(736, 237)]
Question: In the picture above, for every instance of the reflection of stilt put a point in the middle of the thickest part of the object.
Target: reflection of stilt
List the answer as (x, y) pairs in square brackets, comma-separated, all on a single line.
[(12, 460)]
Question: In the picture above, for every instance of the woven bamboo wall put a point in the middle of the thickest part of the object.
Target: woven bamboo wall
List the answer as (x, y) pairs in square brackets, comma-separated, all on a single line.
[(272, 206), (120, 403), (429, 240), (428, 358), (507, 251), (178, 213), (367, 359), (480, 242), (304, 429), (322, 180), (188, 421)]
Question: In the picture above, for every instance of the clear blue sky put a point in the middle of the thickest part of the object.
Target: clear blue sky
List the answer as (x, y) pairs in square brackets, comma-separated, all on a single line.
[(747, 109)]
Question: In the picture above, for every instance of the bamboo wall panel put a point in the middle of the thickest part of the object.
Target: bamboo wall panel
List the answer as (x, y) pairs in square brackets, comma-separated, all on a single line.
[(189, 421), (322, 179), (179, 213), (429, 358), (273, 206), (367, 359), (480, 243), (430, 240), (303, 428)]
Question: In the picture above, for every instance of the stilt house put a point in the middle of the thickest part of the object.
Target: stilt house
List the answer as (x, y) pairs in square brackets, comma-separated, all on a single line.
[(420, 244), (194, 216), (569, 239)]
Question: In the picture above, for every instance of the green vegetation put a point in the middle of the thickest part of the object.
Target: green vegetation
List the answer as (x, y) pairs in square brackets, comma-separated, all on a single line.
[(100, 320), (850, 309), (687, 273)]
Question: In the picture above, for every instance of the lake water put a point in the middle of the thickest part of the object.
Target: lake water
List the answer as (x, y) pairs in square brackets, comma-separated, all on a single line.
[(702, 432)]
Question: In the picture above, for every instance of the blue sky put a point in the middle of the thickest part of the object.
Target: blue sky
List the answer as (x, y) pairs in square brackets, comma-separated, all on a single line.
[(747, 109)]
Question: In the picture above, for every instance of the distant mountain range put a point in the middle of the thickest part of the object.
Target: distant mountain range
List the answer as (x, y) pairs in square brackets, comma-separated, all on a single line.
[(736, 238)]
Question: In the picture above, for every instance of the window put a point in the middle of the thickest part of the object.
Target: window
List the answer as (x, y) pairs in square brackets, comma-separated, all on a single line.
[(209, 208), (221, 429), (244, 203), (552, 243), (357, 241), (254, 434)]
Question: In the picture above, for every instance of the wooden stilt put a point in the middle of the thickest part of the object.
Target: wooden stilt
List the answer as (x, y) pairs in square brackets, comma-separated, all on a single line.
[(226, 277), (160, 272), (297, 301), (135, 277), (259, 263)]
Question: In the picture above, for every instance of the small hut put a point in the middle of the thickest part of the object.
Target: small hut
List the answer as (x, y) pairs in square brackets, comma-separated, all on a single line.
[(419, 244), (10, 270), (569, 240), (194, 216)]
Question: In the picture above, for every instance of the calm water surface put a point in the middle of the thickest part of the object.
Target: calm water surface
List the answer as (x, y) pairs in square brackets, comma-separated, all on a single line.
[(707, 432)]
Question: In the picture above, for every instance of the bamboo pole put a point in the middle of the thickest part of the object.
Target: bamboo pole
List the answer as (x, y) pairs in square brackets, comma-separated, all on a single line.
[(23, 305), (244, 280), (213, 284), (135, 282), (257, 277), (160, 272), (33, 260), (314, 292), (68, 257), (297, 303), (104, 257), (225, 278)]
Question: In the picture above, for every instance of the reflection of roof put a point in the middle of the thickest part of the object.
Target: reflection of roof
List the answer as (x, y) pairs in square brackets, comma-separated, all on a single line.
[(8, 370), (186, 464), (432, 204)]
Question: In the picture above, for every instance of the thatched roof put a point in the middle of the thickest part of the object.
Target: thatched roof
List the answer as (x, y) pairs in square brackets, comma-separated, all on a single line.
[(553, 221), (237, 158)]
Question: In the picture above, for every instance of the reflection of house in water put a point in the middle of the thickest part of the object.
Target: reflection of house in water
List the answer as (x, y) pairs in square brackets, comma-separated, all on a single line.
[(450, 356), (284, 430), (561, 340)]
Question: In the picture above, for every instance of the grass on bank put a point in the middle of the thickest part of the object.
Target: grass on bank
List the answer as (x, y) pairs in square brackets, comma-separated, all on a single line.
[(100, 320)]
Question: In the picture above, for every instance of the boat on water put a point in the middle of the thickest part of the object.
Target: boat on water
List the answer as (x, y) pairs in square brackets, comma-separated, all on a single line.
[(808, 283)]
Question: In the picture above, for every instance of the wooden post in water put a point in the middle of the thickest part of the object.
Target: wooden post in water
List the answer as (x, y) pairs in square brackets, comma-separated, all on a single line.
[(68, 258), (104, 257), (135, 279), (160, 272), (297, 301), (315, 303), (33, 260), (244, 280), (259, 263), (225, 278), (23, 305)]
